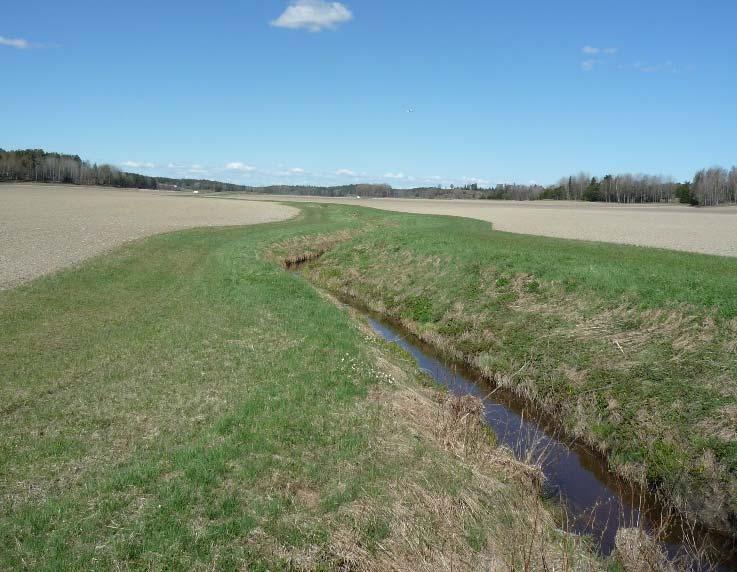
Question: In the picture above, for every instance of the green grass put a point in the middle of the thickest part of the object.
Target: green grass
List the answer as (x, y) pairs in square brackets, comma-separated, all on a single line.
[(633, 349), (184, 403)]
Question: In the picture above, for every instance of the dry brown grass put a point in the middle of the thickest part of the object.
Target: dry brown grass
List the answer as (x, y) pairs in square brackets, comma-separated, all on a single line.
[(638, 552), (723, 425), (297, 250), (731, 342), (500, 492), (429, 524)]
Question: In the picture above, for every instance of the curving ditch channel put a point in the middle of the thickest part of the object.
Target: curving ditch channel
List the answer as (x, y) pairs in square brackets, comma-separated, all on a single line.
[(597, 502)]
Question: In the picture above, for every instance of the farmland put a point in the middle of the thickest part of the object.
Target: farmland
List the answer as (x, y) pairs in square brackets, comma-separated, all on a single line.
[(368, 286), (182, 402), (44, 228), (673, 227), (197, 406)]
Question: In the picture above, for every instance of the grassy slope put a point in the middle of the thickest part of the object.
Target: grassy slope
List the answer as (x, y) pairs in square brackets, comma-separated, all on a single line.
[(185, 404), (633, 348)]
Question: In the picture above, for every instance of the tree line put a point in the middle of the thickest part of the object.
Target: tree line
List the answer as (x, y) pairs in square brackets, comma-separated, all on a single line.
[(39, 166), (713, 186)]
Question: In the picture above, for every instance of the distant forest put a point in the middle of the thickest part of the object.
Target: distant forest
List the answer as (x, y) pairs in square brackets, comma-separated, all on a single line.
[(713, 186)]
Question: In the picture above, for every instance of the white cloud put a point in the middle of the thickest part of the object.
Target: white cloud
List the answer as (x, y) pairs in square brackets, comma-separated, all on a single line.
[(653, 68), (395, 175), (346, 173), (297, 171), (592, 51), (476, 180), (588, 65), (237, 166), (645, 67), (314, 15), (197, 169), (138, 164), (18, 43)]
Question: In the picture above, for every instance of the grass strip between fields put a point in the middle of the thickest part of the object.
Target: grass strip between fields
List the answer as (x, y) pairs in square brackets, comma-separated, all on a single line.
[(184, 403)]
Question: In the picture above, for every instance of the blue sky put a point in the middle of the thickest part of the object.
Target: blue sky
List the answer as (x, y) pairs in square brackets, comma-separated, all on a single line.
[(271, 91)]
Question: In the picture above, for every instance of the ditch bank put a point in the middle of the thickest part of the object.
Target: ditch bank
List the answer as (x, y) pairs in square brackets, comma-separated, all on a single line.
[(595, 501)]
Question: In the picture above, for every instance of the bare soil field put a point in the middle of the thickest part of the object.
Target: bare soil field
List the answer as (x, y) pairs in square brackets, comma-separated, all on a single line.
[(675, 227), (44, 227)]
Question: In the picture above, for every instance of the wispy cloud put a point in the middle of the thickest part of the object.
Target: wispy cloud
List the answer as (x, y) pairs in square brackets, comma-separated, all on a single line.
[(242, 173), (591, 62), (138, 164), (196, 169), (588, 65), (645, 67), (23, 44), (313, 15), (598, 57), (185, 169), (477, 181), (592, 51), (238, 166), (18, 43)]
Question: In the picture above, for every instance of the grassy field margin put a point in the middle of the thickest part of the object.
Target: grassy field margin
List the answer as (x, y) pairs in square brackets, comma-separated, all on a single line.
[(184, 403)]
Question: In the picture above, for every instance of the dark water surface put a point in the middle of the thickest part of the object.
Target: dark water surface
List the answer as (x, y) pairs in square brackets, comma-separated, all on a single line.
[(597, 501)]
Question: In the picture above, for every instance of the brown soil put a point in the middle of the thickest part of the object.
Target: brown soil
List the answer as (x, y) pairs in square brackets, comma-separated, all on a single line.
[(44, 228), (675, 227)]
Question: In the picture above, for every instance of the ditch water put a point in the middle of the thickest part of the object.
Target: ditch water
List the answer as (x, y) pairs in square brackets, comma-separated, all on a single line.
[(597, 502)]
